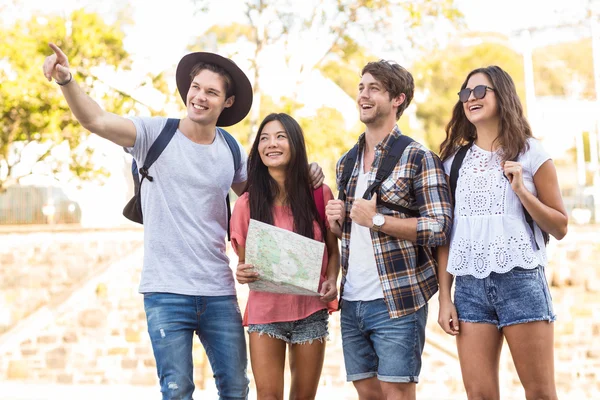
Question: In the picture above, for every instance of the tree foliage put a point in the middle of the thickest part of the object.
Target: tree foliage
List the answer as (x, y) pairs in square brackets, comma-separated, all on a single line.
[(33, 111), (325, 26), (565, 69), (439, 75)]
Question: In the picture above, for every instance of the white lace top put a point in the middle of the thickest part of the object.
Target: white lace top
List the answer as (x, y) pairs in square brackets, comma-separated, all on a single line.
[(489, 233)]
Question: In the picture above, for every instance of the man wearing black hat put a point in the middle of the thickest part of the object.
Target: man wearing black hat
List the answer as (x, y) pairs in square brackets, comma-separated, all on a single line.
[(186, 280)]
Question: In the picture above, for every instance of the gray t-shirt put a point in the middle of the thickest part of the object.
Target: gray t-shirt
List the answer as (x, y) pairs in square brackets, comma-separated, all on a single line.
[(185, 215)]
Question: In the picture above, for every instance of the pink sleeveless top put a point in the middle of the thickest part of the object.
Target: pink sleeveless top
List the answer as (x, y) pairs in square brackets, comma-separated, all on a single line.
[(263, 307)]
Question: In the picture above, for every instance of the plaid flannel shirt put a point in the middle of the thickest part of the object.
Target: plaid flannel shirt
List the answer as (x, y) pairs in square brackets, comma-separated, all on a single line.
[(407, 270)]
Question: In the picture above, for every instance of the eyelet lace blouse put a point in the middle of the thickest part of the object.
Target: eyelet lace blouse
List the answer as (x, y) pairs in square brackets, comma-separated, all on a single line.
[(489, 232)]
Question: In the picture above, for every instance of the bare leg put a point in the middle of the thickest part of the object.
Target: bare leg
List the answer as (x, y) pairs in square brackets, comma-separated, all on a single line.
[(399, 391), (532, 349), (369, 389), (267, 357), (306, 363), (479, 347)]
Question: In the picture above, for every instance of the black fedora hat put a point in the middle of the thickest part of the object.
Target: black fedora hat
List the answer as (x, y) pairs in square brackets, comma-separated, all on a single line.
[(242, 87)]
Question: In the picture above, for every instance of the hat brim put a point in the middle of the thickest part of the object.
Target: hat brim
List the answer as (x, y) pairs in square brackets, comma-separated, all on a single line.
[(243, 89)]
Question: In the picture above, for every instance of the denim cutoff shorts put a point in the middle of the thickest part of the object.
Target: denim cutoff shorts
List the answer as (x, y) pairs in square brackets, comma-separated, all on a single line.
[(305, 330), (514, 297), (376, 345)]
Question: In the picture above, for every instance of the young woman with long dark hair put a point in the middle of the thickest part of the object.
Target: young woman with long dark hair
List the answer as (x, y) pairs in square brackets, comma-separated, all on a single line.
[(496, 255), (279, 193)]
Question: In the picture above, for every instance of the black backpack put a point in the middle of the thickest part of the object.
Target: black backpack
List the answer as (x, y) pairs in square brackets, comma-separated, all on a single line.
[(385, 169), (133, 209), (455, 170)]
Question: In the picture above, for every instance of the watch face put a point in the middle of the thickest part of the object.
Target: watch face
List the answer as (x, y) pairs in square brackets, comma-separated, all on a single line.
[(378, 220)]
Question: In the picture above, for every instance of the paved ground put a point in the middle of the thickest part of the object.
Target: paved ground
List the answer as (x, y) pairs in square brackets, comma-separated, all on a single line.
[(32, 391)]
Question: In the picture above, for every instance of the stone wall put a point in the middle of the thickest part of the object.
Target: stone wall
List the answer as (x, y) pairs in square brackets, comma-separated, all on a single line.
[(75, 318)]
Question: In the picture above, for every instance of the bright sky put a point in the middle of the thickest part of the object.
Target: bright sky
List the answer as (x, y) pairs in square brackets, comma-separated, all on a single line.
[(162, 31)]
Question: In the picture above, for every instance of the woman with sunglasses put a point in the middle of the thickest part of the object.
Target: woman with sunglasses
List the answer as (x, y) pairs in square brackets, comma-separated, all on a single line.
[(497, 260), (278, 192)]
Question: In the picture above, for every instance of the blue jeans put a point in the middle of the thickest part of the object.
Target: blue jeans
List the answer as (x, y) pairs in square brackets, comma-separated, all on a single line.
[(376, 345), (172, 321)]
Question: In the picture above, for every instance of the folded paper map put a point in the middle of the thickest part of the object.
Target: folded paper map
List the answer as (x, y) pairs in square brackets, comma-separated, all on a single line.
[(285, 261)]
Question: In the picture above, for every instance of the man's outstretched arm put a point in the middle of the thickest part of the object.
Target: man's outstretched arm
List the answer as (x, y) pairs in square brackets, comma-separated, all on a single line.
[(90, 115)]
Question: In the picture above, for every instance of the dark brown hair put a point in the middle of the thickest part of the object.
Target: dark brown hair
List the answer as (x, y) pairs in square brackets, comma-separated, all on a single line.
[(263, 189), (394, 78), (229, 85), (513, 129)]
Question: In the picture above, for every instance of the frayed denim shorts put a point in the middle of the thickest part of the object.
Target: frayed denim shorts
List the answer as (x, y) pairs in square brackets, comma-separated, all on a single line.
[(305, 330), (514, 297)]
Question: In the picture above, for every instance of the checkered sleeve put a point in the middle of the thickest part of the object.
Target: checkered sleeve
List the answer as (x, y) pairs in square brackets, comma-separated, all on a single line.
[(432, 195)]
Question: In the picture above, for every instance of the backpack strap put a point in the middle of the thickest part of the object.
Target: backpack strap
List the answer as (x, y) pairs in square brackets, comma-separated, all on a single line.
[(349, 162), (384, 170), (155, 151), (530, 221), (454, 172), (237, 160), (158, 146), (455, 168), (234, 147), (531, 224)]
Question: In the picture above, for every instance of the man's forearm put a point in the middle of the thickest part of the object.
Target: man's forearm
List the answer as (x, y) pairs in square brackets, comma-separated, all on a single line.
[(401, 228), (422, 231)]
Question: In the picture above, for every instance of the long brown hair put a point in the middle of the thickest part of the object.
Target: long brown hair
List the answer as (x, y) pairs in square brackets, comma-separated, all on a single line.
[(263, 189), (513, 129)]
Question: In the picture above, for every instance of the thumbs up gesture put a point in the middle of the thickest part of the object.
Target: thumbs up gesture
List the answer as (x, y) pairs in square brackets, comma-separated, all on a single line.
[(363, 211)]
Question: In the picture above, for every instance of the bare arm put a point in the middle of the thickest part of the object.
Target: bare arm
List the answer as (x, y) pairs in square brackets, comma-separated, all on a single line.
[(447, 317), (238, 187), (333, 264), (445, 279), (92, 117), (329, 289), (547, 209), (401, 228), (245, 273), (335, 212)]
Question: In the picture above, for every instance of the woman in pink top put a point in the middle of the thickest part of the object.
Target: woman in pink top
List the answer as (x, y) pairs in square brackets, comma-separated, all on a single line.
[(279, 193)]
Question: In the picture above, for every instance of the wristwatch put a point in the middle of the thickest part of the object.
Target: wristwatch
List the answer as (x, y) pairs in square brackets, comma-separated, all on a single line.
[(378, 221)]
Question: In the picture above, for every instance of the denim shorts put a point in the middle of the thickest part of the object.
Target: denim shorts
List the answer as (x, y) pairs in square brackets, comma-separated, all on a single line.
[(376, 345), (305, 330), (514, 297)]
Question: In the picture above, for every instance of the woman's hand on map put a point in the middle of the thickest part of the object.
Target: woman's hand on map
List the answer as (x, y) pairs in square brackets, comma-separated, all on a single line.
[(245, 273), (328, 290)]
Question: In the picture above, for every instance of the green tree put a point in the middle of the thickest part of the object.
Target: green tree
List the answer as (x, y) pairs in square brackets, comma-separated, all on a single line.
[(327, 139), (557, 67), (439, 75), (331, 25), (33, 111)]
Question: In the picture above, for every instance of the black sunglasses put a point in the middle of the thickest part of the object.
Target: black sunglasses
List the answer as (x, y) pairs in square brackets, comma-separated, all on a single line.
[(479, 92)]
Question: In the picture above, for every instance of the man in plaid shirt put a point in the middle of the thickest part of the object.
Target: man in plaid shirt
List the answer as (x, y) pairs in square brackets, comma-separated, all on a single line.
[(388, 270)]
